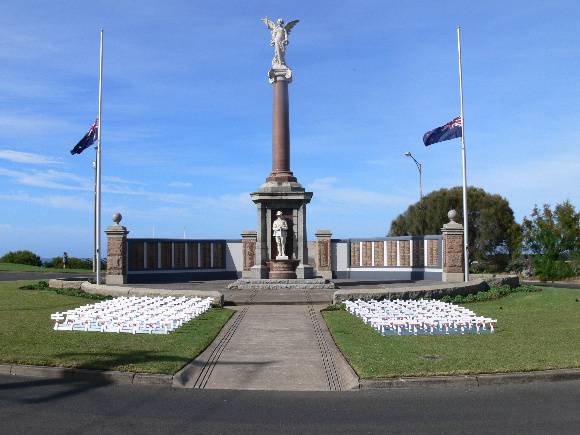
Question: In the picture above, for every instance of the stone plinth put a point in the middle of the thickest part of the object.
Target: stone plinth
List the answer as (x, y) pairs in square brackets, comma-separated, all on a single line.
[(248, 252), (291, 199), (453, 265), (116, 252), (324, 253), (282, 269), (281, 284)]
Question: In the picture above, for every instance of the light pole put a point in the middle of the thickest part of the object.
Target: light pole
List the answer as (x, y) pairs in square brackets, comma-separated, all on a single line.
[(420, 169)]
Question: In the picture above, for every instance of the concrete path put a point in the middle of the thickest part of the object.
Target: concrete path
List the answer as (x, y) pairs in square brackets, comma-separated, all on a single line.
[(273, 347)]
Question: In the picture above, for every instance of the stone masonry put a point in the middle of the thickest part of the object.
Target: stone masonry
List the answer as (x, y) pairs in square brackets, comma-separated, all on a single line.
[(324, 253), (249, 252), (453, 269), (116, 252)]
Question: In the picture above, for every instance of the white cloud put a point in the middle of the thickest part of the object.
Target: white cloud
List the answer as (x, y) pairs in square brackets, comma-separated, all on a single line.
[(329, 192), (17, 123), (119, 180), (48, 179), (57, 201), (29, 158), (528, 182), (180, 184)]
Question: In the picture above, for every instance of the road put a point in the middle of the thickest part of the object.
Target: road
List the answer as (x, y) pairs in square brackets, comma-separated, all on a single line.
[(16, 276), (29, 406)]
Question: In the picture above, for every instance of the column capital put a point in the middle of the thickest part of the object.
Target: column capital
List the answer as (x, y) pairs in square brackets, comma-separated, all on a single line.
[(320, 234), (249, 234), (280, 73)]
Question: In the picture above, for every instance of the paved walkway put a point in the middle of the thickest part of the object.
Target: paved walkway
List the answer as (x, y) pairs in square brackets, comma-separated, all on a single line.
[(272, 347)]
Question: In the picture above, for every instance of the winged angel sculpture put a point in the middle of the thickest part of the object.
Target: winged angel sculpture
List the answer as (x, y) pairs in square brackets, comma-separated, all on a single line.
[(280, 32)]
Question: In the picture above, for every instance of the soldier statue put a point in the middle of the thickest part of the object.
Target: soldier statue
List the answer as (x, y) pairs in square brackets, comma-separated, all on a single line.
[(280, 230)]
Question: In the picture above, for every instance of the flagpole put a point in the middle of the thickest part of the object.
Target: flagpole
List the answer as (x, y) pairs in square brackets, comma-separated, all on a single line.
[(464, 164), (98, 169), (95, 213)]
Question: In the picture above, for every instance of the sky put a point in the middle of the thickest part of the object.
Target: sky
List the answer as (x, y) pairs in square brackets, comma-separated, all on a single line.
[(186, 125)]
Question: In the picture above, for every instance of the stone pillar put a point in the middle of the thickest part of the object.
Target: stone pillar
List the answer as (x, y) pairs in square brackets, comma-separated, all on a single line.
[(116, 252), (280, 77), (304, 270), (453, 269), (324, 253), (248, 252), (259, 269)]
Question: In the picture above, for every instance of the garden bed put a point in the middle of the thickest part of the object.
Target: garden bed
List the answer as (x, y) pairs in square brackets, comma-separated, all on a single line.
[(27, 337), (535, 331)]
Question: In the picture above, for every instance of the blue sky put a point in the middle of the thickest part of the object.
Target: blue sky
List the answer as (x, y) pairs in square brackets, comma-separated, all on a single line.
[(187, 111)]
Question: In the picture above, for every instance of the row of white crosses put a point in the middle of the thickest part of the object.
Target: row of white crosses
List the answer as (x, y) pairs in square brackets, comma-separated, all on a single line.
[(133, 315), (401, 317)]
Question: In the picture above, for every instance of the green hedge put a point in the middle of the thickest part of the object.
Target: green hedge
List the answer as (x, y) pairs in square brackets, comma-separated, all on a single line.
[(495, 292), (21, 257)]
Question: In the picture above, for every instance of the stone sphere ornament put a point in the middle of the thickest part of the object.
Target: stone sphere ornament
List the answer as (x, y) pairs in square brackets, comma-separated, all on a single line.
[(452, 214), (117, 218)]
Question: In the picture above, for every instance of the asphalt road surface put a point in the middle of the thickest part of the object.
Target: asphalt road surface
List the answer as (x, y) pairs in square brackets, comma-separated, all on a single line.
[(29, 406), (16, 276)]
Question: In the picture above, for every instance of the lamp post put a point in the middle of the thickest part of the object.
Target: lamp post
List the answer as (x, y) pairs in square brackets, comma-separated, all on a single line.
[(421, 211), (420, 169)]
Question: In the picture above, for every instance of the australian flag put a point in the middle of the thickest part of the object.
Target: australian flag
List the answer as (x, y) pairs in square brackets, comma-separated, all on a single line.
[(88, 139), (451, 130)]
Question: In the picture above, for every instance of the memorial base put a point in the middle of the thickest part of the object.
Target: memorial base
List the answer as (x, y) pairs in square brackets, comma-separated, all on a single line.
[(282, 284), (282, 269)]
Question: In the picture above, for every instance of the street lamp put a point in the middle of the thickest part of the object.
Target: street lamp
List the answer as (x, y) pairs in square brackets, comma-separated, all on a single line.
[(420, 169)]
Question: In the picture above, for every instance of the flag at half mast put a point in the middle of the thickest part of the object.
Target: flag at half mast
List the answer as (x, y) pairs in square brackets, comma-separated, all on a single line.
[(453, 129), (88, 139)]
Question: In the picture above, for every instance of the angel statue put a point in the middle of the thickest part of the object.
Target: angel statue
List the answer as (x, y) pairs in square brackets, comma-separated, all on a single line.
[(279, 40)]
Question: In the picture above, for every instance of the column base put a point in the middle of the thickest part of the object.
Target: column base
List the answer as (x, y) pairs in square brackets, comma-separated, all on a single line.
[(304, 271), (452, 277), (260, 272), (326, 274), (115, 279), (282, 177)]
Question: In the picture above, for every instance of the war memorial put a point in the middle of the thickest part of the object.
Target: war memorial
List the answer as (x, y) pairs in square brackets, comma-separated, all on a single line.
[(279, 281), (277, 253)]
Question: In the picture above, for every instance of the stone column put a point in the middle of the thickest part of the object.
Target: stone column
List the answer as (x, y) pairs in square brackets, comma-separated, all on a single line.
[(280, 78), (116, 252), (249, 239), (259, 269), (324, 253), (453, 269), (304, 270)]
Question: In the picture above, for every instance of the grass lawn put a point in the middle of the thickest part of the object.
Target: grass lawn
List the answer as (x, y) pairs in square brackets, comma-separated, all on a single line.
[(535, 331), (13, 267), (27, 337)]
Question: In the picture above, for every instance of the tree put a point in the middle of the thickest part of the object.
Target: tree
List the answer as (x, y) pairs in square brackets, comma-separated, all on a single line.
[(493, 233), (553, 240)]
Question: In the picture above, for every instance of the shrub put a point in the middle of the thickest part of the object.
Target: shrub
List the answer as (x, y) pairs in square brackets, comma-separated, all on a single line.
[(43, 285), (552, 237), (495, 292), (72, 263), (335, 307), (21, 257), (40, 285)]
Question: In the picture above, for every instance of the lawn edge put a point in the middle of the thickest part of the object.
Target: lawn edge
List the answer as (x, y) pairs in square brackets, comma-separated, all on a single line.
[(86, 375), (137, 378), (478, 380)]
